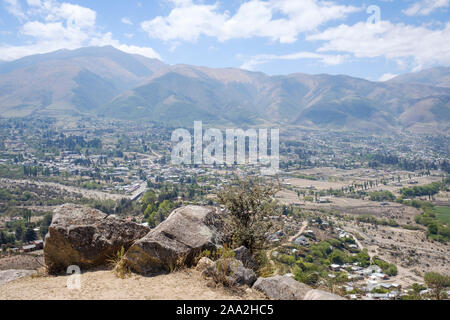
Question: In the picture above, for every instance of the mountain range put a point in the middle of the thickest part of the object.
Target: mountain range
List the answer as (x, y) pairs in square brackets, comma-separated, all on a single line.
[(104, 81)]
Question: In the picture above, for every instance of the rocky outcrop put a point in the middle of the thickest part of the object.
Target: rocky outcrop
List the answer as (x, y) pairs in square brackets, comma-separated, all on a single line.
[(230, 272), (244, 255), (178, 241), (321, 295), (204, 263), (86, 237), (281, 288), (287, 288)]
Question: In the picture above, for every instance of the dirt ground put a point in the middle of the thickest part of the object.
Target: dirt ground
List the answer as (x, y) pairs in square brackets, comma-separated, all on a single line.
[(104, 285), (401, 213), (90, 194), (410, 250), (319, 185), (22, 262)]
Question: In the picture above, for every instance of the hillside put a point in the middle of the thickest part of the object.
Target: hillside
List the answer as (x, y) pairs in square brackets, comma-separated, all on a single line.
[(69, 81), (192, 93), (439, 77), (105, 81)]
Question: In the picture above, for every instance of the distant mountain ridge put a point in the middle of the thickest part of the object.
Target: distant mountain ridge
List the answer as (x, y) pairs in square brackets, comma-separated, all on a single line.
[(439, 77), (105, 81), (70, 81)]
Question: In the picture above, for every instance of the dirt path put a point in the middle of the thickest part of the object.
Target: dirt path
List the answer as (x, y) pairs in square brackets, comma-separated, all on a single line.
[(103, 285), (291, 239), (302, 229)]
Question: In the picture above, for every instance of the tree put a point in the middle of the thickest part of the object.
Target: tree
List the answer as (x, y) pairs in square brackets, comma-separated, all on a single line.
[(18, 232), (432, 228), (338, 257), (47, 220), (27, 215), (437, 282), (417, 288), (149, 198), (165, 208), (3, 238), (43, 230), (45, 223), (30, 235), (248, 202)]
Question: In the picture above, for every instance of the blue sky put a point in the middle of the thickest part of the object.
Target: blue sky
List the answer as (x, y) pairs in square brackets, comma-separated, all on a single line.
[(374, 39)]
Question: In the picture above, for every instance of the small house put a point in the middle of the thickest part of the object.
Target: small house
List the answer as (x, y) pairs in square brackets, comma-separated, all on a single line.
[(335, 267), (29, 248), (39, 244)]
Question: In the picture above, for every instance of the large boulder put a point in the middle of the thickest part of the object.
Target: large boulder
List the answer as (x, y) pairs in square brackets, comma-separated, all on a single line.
[(178, 241), (86, 237), (282, 288), (230, 272), (322, 295)]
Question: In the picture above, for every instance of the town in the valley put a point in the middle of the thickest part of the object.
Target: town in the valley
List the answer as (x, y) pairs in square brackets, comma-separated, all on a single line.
[(363, 217)]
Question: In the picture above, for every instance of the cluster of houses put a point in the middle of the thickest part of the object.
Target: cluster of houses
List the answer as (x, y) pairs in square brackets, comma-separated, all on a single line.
[(29, 247), (367, 283), (364, 283)]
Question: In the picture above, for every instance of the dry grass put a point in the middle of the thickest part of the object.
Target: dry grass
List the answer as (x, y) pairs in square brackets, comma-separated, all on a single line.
[(119, 265)]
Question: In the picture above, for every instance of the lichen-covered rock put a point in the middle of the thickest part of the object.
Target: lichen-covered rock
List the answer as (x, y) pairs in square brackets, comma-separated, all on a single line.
[(321, 295), (178, 241), (244, 255), (204, 263), (282, 288), (86, 237), (230, 272)]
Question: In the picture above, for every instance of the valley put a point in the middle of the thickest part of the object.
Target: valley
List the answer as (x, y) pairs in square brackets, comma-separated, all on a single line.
[(354, 182), (361, 202)]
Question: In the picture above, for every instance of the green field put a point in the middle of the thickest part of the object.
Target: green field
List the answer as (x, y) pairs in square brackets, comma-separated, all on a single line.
[(443, 214)]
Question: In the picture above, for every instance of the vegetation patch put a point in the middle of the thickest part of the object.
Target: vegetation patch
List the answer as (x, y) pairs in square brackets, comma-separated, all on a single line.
[(443, 214)]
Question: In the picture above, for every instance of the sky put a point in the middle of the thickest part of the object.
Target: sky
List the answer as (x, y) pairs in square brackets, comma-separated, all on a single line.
[(373, 39)]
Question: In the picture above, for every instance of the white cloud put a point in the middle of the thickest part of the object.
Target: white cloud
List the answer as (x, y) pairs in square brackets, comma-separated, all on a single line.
[(107, 40), (265, 58), (51, 25), (15, 8), (189, 20), (126, 20), (387, 77), (400, 42), (425, 7)]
